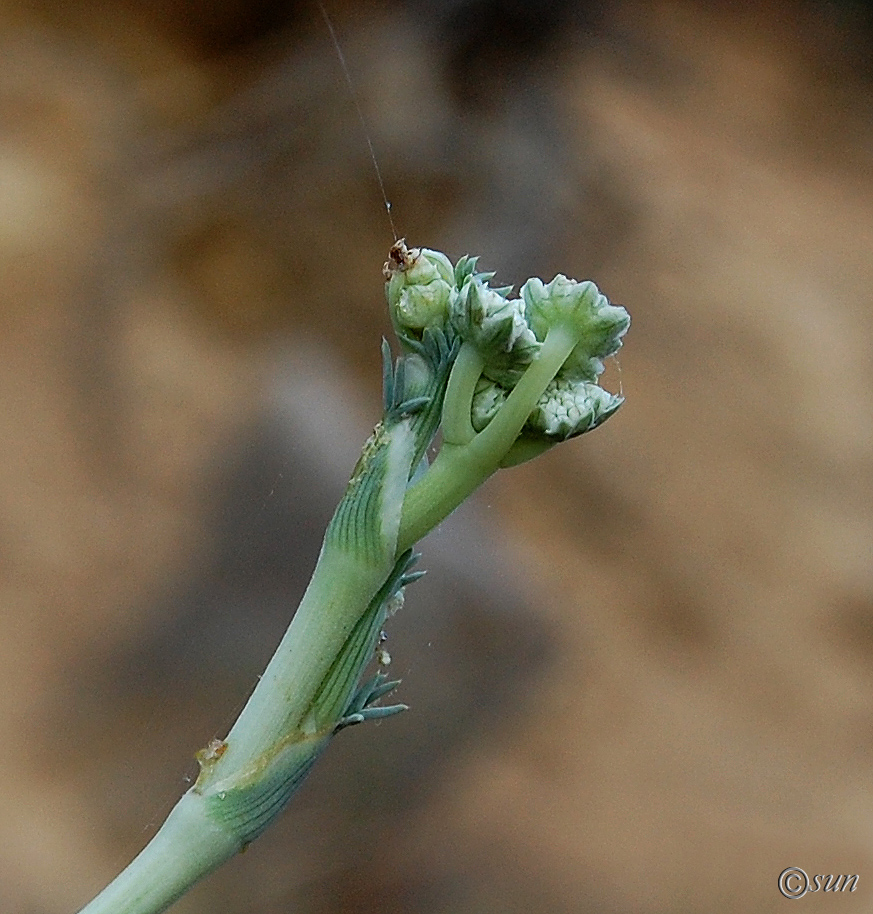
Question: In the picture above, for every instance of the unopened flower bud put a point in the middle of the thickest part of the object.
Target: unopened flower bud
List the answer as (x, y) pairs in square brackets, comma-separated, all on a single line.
[(420, 282), (579, 305)]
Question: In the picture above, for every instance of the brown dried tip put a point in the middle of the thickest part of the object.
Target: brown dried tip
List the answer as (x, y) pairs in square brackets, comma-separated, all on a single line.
[(400, 257), (212, 753)]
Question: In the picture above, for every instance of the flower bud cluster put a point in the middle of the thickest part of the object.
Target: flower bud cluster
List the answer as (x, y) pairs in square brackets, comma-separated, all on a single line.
[(424, 290), (495, 325)]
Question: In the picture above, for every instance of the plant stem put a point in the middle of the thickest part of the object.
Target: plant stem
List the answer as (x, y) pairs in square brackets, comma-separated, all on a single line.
[(246, 779), (189, 845), (457, 425), (459, 469), (314, 684)]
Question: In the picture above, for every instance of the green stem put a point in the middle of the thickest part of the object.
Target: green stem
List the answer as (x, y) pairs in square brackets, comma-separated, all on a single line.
[(456, 423), (339, 589), (247, 779), (461, 468), (189, 845)]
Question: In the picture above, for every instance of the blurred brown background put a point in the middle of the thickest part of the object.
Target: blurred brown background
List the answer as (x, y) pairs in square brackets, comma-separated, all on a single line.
[(641, 668)]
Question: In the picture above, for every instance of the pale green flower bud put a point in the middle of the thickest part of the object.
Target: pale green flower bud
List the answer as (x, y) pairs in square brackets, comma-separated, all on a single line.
[(580, 306), (497, 327), (488, 397), (428, 266), (571, 407), (419, 287), (418, 377)]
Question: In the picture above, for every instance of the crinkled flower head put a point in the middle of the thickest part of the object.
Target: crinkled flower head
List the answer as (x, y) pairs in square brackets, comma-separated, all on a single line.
[(419, 288), (571, 407), (581, 307), (565, 409), (497, 327)]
